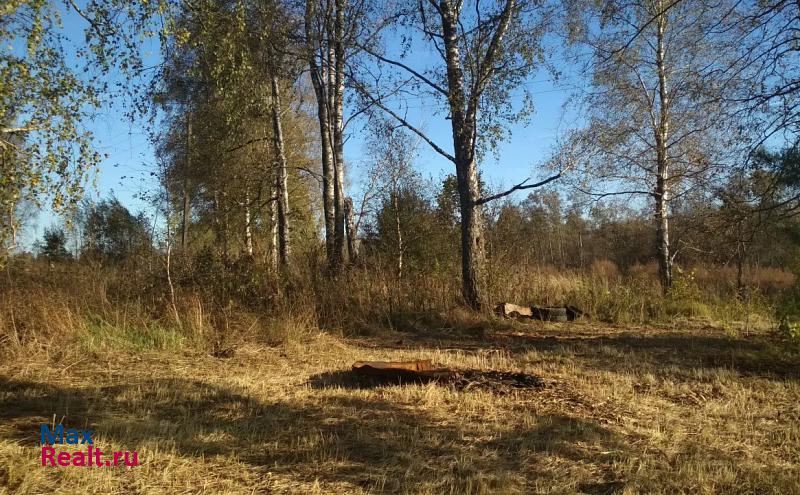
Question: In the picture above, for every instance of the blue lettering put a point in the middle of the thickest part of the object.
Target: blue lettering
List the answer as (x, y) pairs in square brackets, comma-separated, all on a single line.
[(51, 438), (87, 436), (72, 436)]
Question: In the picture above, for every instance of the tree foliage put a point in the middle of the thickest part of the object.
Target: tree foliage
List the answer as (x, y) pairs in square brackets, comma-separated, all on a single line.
[(113, 235), (53, 245)]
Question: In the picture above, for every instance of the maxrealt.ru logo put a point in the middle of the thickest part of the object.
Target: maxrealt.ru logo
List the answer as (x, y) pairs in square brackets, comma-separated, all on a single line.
[(91, 457)]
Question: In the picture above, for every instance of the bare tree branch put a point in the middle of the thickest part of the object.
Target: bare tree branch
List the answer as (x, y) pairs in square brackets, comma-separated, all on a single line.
[(616, 193), (248, 143), (642, 28), (407, 69), (519, 187), (404, 122), (316, 175)]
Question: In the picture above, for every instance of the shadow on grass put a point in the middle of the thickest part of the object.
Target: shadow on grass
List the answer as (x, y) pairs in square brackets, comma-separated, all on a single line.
[(337, 439), (663, 351), (457, 379), (669, 351), (348, 379)]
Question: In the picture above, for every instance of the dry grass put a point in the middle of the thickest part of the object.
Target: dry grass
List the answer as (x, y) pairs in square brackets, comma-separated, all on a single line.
[(244, 398), (625, 410)]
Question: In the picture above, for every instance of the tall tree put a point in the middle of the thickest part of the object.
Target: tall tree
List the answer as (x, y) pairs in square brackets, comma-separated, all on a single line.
[(331, 28), (230, 68), (756, 207), (281, 179), (53, 245), (483, 51), (113, 234), (657, 119), (50, 85), (46, 153)]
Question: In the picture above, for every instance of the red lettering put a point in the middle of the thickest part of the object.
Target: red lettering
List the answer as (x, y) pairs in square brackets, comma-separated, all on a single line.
[(63, 458), (135, 461), (79, 459), (48, 453)]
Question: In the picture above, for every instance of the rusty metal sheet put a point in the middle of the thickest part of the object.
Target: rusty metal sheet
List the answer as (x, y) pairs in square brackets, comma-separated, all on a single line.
[(418, 365)]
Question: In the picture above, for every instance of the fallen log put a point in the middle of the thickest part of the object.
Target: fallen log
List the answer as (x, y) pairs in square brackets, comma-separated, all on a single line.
[(549, 314), (574, 313)]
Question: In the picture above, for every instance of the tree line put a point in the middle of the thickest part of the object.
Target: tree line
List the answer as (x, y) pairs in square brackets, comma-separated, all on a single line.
[(688, 115)]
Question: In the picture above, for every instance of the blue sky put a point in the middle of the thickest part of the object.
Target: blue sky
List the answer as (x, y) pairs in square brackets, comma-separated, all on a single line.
[(126, 172)]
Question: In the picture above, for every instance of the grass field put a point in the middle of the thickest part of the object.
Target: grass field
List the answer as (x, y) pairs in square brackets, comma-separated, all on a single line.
[(685, 409)]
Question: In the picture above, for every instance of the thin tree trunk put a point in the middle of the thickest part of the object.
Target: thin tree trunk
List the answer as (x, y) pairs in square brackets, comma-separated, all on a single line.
[(273, 234), (172, 287), (327, 179), (662, 233), (399, 233), (12, 223), (218, 225), (352, 231), (226, 233), (319, 82), (337, 124), (186, 206), (741, 254), (248, 232), (339, 241), (281, 186), (662, 191)]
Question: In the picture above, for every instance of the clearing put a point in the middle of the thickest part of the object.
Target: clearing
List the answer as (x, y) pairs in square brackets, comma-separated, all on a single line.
[(619, 410)]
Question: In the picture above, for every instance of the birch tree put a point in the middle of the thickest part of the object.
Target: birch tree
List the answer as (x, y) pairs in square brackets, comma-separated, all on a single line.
[(658, 125), (230, 68), (46, 153), (483, 52), (329, 29), (281, 179)]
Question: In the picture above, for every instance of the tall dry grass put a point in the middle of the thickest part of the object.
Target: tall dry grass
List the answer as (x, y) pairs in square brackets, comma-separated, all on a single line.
[(216, 305)]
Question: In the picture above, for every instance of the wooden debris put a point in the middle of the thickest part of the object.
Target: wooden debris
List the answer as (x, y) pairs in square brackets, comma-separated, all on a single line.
[(418, 365), (549, 314), (508, 310), (574, 313), (554, 313)]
